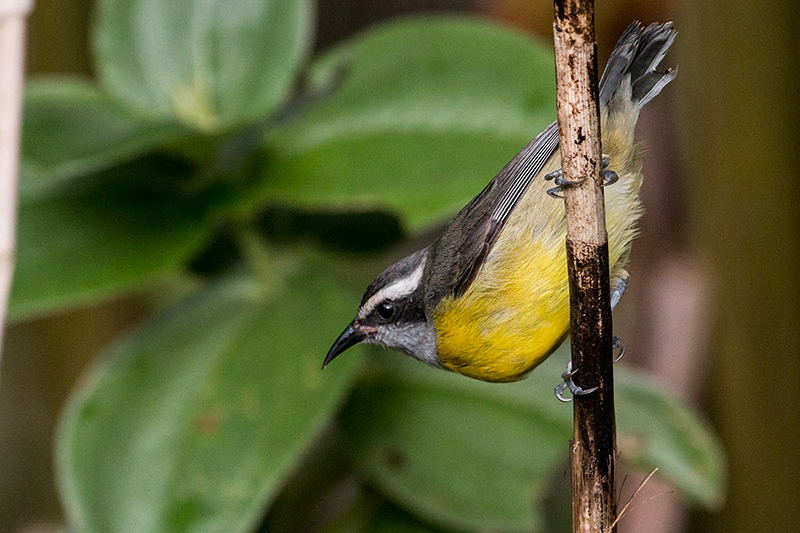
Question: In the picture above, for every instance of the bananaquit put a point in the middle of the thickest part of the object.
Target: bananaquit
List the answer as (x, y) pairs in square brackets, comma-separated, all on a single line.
[(489, 299)]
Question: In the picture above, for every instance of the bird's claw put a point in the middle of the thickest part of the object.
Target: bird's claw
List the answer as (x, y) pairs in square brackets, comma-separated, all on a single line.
[(609, 177), (569, 384), (558, 178), (616, 344)]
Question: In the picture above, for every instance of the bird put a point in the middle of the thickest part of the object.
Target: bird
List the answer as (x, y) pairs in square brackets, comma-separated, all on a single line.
[(489, 298)]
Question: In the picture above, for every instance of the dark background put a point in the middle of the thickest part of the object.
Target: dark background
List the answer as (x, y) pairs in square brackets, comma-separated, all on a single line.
[(713, 307)]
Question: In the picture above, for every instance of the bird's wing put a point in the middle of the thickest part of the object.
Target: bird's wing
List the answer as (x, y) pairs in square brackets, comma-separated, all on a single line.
[(473, 232), (469, 238)]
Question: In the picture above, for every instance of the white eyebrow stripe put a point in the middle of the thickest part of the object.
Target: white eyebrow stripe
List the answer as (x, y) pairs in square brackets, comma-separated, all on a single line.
[(398, 289)]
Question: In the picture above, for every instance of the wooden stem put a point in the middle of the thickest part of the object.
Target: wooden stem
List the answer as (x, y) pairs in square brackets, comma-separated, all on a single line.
[(593, 448), (12, 45)]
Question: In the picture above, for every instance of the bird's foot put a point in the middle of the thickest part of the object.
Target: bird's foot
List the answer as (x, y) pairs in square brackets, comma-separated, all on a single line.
[(558, 179), (617, 344), (557, 176), (569, 384), (609, 176)]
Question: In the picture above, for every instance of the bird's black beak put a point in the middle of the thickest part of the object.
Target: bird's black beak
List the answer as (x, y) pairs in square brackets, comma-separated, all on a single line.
[(352, 335)]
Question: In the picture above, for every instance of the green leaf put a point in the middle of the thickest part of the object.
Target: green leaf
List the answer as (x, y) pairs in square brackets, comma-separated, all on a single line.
[(70, 128), (96, 237), (451, 451), (476, 456), (680, 443), (423, 113), (194, 422), (211, 64)]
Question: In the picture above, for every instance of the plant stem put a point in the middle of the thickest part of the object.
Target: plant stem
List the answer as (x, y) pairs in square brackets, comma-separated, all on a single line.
[(593, 448), (12, 53)]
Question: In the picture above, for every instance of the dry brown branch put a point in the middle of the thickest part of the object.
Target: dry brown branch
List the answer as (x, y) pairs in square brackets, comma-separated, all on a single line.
[(594, 443)]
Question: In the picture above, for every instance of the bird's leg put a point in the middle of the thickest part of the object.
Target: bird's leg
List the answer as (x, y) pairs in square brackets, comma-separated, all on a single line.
[(616, 344), (569, 372), (569, 384), (619, 288), (558, 178), (616, 294), (609, 177)]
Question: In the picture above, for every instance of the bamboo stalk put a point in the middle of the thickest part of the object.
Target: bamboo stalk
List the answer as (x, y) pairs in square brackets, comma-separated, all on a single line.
[(593, 448), (13, 14)]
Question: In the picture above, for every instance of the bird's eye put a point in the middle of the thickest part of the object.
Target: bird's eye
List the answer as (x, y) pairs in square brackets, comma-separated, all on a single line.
[(385, 310)]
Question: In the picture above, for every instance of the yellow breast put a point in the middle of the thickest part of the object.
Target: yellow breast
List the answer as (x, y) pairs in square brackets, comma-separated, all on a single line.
[(512, 317), (516, 313)]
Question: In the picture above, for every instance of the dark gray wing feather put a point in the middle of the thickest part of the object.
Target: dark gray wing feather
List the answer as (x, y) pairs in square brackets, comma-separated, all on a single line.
[(459, 253), (469, 237), (514, 180)]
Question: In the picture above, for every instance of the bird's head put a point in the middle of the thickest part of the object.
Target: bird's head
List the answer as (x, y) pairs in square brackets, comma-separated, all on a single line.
[(392, 314)]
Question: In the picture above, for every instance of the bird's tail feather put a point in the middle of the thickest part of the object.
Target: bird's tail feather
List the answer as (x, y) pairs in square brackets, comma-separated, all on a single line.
[(637, 55)]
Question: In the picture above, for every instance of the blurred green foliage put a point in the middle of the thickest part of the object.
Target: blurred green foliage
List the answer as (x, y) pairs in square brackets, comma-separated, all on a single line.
[(215, 148)]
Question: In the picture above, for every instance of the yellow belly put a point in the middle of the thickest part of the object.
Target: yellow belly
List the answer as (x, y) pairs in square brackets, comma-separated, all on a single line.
[(516, 313)]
